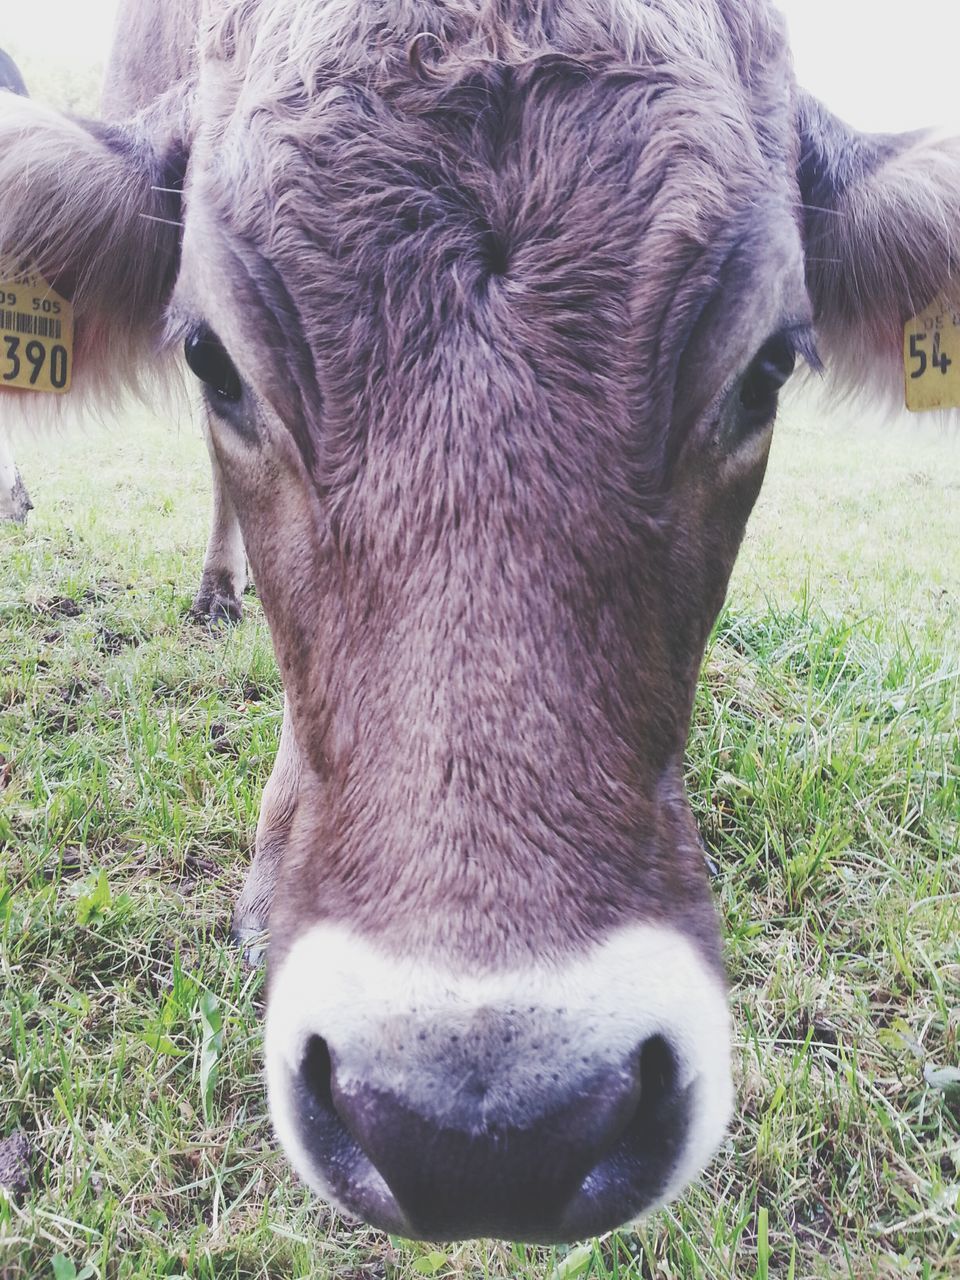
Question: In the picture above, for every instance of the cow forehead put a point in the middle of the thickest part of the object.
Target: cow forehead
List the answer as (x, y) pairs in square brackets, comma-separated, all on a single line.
[(393, 203), (296, 44), (285, 65)]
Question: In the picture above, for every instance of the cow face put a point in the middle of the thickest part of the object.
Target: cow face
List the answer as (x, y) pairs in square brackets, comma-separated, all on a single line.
[(491, 326)]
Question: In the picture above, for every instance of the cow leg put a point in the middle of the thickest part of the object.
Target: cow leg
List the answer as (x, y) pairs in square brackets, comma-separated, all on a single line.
[(14, 499), (277, 809), (225, 564)]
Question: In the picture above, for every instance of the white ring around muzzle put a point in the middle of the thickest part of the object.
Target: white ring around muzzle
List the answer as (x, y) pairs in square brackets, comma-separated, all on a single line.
[(412, 1029)]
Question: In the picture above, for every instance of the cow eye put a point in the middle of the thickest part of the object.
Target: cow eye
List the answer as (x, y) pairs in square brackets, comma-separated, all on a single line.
[(209, 361), (764, 379)]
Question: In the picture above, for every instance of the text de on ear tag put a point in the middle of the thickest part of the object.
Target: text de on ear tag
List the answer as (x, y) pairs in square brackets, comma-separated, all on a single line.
[(931, 357), (36, 337)]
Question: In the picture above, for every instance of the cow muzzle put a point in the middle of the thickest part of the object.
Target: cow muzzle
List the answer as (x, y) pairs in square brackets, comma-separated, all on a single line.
[(542, 1104)]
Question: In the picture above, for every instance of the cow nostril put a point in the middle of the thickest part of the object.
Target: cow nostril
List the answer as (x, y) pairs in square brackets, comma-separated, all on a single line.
[(316, 1072), (652, 1122), (658, 1073), (328, 1143)]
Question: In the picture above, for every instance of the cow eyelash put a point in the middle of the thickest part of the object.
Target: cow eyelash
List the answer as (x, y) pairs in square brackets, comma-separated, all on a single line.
[(208, 360)]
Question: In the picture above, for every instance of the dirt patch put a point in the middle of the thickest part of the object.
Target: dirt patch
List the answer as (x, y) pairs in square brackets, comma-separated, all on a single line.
[(58, 722), (68, 864), (197, 868), (812, 1223), (61, 607), (74, 692), (817, 1028), (221, 743), (114, 642), (16, 1163)]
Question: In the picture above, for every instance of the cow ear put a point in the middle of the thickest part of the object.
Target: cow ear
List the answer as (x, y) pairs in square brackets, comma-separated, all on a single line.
[(882, 233), (94, 209)]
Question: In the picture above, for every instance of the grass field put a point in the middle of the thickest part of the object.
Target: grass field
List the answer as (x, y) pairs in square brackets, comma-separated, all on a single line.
[(824, 768)]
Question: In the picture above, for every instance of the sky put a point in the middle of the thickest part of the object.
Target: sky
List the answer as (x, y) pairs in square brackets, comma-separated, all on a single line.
[(877, 66)]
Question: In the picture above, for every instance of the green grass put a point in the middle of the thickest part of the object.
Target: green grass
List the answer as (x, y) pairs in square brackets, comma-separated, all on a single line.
[(824, 767)]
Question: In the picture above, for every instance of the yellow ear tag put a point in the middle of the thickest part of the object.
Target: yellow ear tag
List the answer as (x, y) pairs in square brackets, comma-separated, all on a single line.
[(36, 337), (931, 358)]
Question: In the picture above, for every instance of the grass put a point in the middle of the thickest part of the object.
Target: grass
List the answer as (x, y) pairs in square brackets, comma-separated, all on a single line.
[(824, 766)]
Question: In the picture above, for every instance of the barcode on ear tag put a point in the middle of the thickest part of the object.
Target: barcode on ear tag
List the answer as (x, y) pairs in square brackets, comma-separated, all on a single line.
[(36, 337), (931, 358)]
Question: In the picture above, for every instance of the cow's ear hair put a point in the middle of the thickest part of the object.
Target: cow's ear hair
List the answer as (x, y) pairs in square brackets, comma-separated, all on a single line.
[(94, 209), (882, 233)]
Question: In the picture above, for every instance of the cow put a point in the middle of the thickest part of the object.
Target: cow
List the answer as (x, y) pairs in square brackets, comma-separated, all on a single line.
[(224, 576), (491, 304), (14, 500)]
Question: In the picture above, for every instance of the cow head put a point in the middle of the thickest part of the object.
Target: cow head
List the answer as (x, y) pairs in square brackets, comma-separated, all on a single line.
[(491, 323)]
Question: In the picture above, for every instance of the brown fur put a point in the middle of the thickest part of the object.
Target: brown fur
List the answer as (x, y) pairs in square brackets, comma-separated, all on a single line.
[(514, 547), (155, 48), (461, 257)]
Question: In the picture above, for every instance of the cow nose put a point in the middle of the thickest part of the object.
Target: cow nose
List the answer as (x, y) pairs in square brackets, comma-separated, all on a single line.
[(545, 1102), (581, 1161)]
